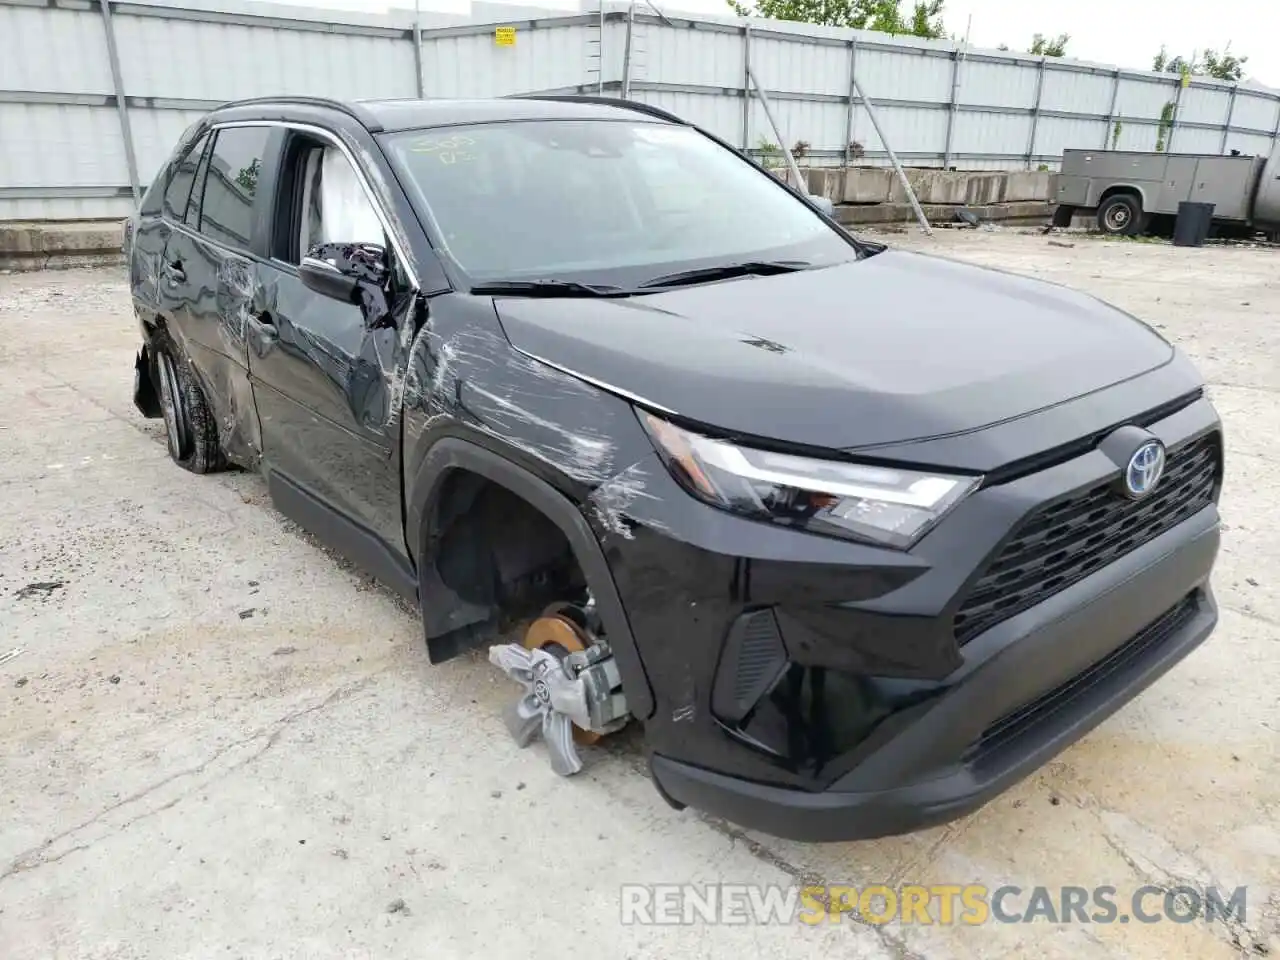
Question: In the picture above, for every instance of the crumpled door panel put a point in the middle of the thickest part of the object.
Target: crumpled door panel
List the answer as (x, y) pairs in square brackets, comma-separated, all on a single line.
[(207, 303)]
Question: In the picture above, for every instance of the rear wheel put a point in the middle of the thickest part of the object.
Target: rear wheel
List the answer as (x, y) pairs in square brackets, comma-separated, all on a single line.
[(1120, 215), (191, 432)]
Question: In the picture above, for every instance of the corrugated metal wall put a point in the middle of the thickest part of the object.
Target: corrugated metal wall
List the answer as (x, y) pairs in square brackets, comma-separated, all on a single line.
[(62, 153)]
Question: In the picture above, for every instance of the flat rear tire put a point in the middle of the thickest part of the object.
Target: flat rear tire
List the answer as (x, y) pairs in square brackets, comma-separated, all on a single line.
[(191, 430)]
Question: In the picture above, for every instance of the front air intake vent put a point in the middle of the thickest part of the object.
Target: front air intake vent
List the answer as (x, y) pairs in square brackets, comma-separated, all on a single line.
[(752, 660)]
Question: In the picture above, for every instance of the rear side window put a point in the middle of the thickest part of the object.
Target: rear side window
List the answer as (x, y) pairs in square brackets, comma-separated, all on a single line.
[(179, 189), (231, 185), (192, 218)]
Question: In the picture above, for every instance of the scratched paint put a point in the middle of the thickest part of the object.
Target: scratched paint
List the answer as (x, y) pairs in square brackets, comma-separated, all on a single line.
[(612, 500), (476, 374)]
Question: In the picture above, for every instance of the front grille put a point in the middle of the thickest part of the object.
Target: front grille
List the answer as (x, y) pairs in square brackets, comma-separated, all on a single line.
[(1065, 541), (1012, 724)]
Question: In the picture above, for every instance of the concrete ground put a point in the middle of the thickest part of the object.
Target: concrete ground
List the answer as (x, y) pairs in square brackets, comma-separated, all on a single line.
[(218, 741)]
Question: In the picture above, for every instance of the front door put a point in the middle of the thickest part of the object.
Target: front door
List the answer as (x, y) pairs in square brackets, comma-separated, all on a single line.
[(324, 374)]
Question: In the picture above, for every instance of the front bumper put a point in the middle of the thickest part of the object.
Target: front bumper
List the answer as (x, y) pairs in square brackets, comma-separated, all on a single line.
[(818, 690), (962, 752)]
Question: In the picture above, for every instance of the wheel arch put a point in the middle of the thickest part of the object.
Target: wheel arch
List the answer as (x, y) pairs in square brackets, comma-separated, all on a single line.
[(449, 619), (1131, 189)]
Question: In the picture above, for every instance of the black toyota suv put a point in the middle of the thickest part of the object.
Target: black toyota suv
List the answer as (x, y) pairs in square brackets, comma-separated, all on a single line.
[(860, 537)]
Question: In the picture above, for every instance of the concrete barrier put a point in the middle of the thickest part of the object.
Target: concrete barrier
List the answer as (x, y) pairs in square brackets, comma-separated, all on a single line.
[(59, 243), (871, 214), (972, 187)]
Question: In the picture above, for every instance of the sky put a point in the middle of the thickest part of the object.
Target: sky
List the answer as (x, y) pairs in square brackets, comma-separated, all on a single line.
[(1126, 33)]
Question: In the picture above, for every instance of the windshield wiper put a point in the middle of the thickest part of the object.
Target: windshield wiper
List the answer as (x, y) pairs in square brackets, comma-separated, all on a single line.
[(548, 288), (727, 271)]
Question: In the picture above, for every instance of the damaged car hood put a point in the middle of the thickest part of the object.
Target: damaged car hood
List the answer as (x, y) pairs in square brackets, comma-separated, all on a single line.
[(897, 347)]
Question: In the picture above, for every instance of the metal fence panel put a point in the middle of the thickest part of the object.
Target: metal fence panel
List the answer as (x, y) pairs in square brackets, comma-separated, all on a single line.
[(985, 83), (789, 66), (28, 37), (888, 75), (938, 102), (1145, 98), (1193, 140), (992, 133), (474, 65), (227, 61), (913, 131), (1254, 112), (1204, 105), (65, 144), (706, 57), (1136, 136), (1249, 143), (1071, 91), (1053, 131)]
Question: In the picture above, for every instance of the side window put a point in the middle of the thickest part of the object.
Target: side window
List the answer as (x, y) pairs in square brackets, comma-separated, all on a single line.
[(192, 219), (334, 207), (179, 189), (231, 184)]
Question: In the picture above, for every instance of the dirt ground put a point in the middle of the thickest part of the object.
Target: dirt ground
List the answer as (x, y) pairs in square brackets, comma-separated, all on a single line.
[(218, 741)]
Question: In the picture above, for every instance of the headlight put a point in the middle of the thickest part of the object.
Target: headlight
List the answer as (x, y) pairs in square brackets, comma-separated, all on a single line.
[(882, 505)]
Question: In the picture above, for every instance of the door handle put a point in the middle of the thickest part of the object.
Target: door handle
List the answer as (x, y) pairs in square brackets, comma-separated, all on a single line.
[(265, 324), (174, 269)]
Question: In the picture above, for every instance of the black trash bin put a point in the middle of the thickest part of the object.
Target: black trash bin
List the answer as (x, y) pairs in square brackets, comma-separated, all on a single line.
[(1192, 226)]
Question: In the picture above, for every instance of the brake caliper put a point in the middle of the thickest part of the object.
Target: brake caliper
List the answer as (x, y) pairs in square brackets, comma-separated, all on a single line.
[(569, 694)]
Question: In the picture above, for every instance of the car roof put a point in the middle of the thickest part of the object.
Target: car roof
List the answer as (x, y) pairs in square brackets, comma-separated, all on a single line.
[(380, 116)]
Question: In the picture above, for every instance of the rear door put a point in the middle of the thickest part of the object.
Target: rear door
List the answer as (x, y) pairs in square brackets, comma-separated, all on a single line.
[(164, 205), (325, 373), (208, 275)]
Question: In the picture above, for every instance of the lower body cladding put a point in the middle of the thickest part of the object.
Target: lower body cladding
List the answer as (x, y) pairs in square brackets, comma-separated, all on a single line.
[(819, 690)]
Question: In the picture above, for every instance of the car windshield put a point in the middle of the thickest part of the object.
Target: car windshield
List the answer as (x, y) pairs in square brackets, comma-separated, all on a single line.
[(606, 201)]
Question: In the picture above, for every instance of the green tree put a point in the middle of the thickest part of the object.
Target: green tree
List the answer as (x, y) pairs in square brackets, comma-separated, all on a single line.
[(248, 176), (1224, 66), (923, 20), (1042, 46)]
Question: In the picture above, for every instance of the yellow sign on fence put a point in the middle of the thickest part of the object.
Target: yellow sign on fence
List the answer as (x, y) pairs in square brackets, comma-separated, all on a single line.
[(505, 36)]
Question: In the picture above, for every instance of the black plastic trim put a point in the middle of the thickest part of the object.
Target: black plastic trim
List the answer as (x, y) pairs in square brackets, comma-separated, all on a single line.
[(751, 661), (355, 111), (144, 390), (361, 546), (1067, 451), (839, 815), (634, 105)]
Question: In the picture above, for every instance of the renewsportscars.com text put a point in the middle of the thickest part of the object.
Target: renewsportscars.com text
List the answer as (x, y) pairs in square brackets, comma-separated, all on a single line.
[(944, 904)]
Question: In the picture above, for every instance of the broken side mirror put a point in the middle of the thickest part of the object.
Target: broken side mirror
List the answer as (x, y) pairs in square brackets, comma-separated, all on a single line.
[(345, 271)]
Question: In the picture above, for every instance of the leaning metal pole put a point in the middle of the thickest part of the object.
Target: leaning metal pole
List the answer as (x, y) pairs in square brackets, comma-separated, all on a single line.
[(626, 53), (893, 158), (777, 131), (417, 46), (122, 105)]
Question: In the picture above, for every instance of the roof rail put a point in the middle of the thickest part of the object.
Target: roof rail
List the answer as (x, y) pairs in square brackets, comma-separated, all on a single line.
[(354, 110), (635, 105)]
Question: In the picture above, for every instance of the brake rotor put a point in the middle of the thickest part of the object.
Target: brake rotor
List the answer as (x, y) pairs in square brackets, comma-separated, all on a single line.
[(557, 632)]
